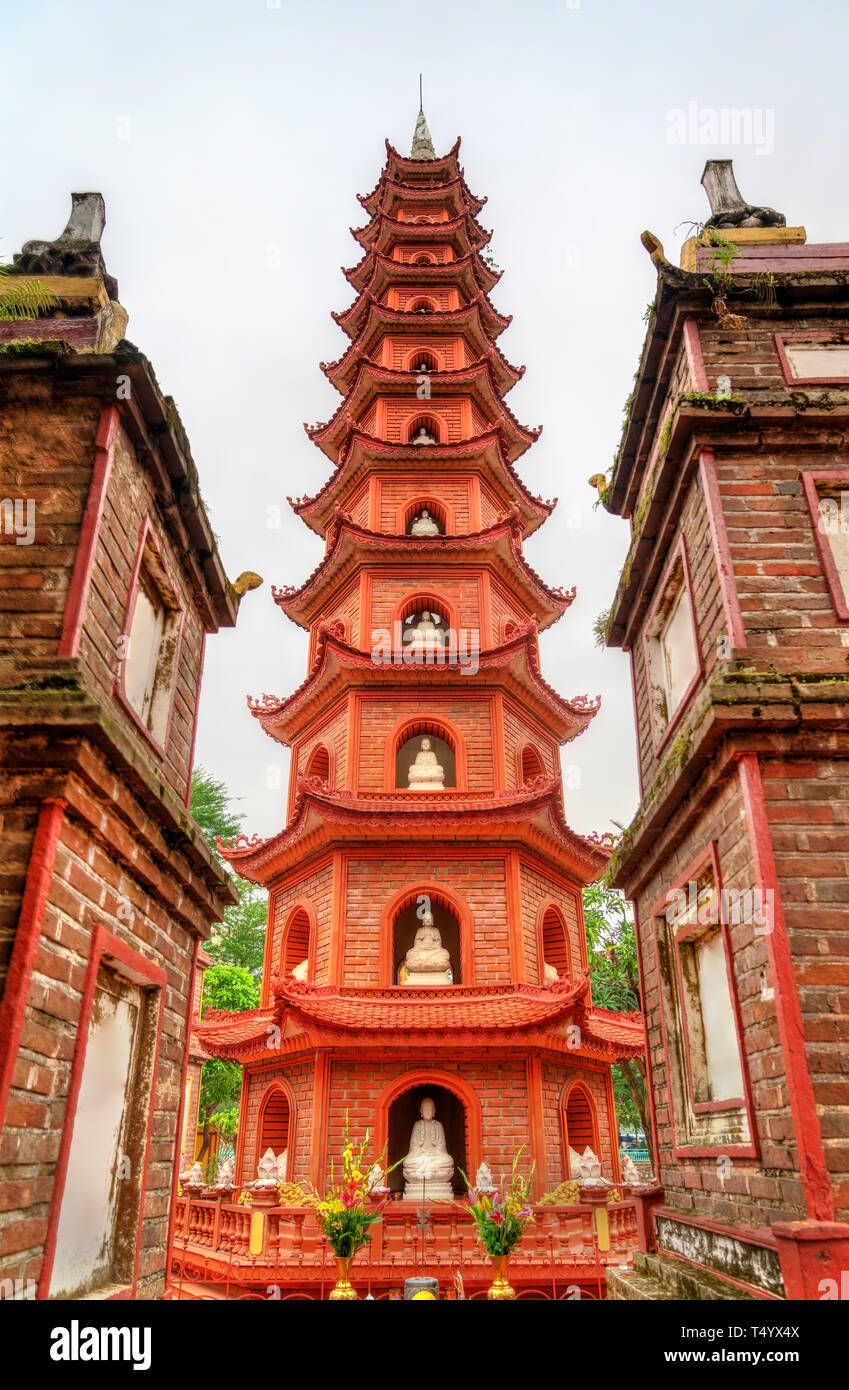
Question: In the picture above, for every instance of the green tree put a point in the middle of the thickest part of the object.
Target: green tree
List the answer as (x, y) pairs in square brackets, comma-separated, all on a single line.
[(224, 987), (240, 938), (615, 984)]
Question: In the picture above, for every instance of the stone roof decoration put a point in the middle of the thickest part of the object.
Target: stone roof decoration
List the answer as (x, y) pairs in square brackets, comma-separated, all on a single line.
[(727, 204), (422, 146), (77, 251)]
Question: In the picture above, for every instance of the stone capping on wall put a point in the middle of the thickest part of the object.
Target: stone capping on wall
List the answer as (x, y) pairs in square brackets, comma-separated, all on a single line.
[(753, 1261)]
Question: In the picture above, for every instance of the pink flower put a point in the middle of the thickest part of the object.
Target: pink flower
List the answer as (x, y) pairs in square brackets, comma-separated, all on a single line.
[(495, 1216), (524, 1213)]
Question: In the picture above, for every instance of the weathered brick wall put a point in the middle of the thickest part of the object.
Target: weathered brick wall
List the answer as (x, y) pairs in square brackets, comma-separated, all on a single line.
[(89, 886), (130, 498), (755, 1191), (750, 356), (46, 455), (806, 802)]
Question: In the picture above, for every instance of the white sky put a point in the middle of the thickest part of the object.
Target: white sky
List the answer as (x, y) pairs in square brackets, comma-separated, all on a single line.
[(222, 130)]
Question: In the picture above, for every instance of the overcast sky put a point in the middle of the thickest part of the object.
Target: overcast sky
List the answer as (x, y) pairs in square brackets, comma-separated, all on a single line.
[(229, 138)]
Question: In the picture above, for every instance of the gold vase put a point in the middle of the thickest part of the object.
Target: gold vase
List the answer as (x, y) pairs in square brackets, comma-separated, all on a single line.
[(343, 1289), (500, 1288)]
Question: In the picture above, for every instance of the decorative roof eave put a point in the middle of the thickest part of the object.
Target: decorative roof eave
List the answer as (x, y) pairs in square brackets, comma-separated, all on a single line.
[(351, 320), (363, 449), (390, 189), (323, 819), (338, 666), (374, 381), (355, 545), (344, 375), (469, 270), (463, 230), (382, 320)]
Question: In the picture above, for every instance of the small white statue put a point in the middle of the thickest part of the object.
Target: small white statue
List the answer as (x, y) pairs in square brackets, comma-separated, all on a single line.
[(630, 1171), (195, 1177), (226, 1173), (375, 1181), (424, 636), (549, 972), (282, 1165), (267, 1170), (428, 1167), (426, 773), (590, 1169), (483, 1179), (574, 1164), (423, 437), (424, 524), (427, 962), (300, 970)]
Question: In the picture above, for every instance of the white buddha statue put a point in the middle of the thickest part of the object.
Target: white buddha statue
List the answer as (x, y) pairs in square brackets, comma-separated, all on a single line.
[(428, 1167), (424, 524), (426, 773), (427, 962), (301, 970), (423, 636), (423, 437)]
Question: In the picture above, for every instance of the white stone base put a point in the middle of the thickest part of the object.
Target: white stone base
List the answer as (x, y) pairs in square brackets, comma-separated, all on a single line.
[(428, 977), (434, 1191)]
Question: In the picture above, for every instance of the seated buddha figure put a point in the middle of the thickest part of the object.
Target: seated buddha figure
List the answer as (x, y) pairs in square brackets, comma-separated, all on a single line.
[(428, 1167), (424, 524), (426, 773), (423, 637), (423, 437), (427, 962)]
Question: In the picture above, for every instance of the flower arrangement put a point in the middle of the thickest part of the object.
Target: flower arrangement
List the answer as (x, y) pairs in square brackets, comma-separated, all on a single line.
[(342, 1210), (501, 1217)]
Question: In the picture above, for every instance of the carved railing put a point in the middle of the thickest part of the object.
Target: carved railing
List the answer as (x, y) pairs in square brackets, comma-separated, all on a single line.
[(212, 1231)]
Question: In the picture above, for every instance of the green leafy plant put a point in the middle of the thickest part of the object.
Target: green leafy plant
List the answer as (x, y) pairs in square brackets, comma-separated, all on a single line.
[(22, 299)]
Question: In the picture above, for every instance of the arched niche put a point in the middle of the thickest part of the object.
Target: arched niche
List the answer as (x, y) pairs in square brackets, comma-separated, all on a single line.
[(438, 510), (579, 1121), (421, 305), (424, 429), (298, 945), (414, 728), (530, 764), (274, 1124), (318, 763), (409, 750), (407, 923), (423, 360), (451, 1113), (554, 943)]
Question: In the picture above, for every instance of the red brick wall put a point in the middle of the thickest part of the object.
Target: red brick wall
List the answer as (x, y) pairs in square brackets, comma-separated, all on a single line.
[(555, 1077), (314, 890), (300, 1080), (537, 888), (471, 716)]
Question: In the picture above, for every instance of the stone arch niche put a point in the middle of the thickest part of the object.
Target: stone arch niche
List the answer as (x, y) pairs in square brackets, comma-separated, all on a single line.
[(425, 429), (579, 1121), (423, 359), (437, 510), (554, 943), (421, 306), (407, 922), (318, 763), (297, 948), (274, 1124), (531, 764), (408, 746), (452, 1115)]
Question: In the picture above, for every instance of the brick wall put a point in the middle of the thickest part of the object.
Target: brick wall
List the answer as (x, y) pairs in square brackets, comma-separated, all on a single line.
[(299, 1077), (556, 1076)]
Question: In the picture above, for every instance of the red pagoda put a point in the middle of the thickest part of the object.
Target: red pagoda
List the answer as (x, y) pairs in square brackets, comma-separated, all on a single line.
[(425, 930)]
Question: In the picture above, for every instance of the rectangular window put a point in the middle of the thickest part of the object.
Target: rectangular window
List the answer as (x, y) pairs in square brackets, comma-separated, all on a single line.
[(671, 647), (97, 1233), (150, 643), (706, 1079), (828, 502), (817, 358)]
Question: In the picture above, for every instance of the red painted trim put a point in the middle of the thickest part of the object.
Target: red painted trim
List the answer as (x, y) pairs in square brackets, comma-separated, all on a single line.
[(146, 532), (184, 1071), (39, 879), (639, 741), (695, 357), (819, 1201), (195, 718), (722, 550), (241, 1133), (810, 481), (650, 1090), (790, 379), (613, 1126), (141, 971), (77, 600), (679, 552)]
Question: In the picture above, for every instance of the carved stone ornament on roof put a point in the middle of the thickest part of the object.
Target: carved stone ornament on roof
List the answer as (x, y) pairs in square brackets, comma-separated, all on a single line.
[(727, 204), (76, 251)]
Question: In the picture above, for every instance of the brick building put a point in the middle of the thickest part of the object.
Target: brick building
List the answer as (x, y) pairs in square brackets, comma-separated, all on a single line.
[(423, 618), (734, 603), (110, 583)]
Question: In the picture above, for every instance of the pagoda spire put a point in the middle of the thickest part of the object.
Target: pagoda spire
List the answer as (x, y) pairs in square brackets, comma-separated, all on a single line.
[(422, 146)]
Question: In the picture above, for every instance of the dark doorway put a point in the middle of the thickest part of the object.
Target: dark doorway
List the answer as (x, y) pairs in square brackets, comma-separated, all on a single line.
[(403, 1114)]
